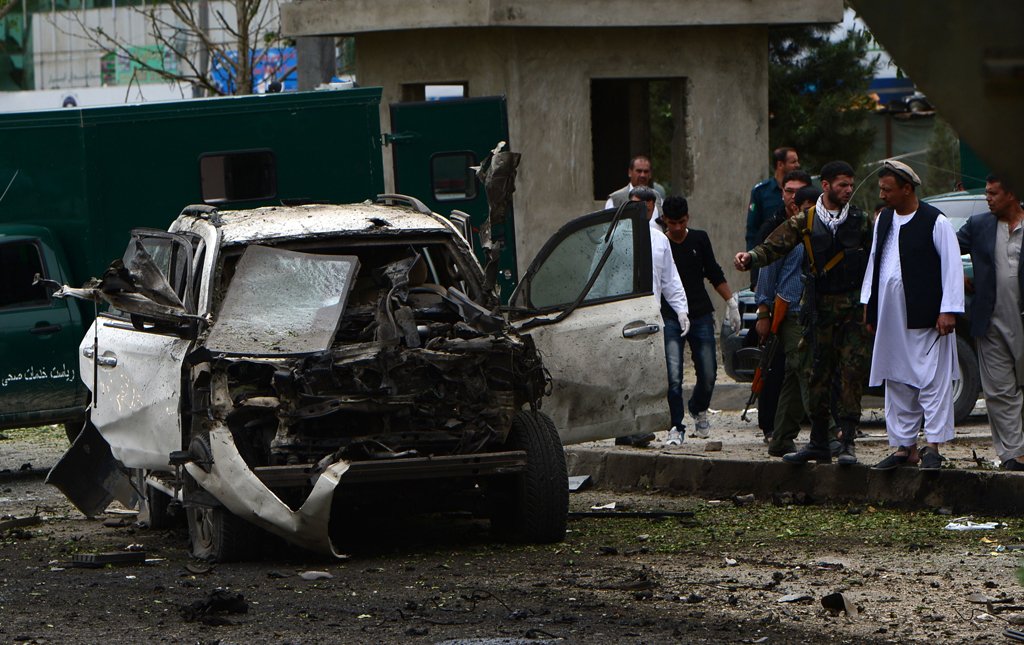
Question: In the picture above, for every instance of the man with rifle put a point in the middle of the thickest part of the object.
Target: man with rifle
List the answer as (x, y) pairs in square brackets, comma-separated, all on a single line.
[(836, 237), (779, 291)]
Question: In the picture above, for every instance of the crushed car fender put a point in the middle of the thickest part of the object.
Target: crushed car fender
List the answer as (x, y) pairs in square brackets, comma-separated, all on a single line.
[(237, 487)]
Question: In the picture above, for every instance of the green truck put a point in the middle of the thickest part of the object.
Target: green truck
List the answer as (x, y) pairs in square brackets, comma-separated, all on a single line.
[(74, 182)]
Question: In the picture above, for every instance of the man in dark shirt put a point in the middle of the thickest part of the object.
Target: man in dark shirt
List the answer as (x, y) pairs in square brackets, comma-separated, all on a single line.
[(766, 197), (695, 260)]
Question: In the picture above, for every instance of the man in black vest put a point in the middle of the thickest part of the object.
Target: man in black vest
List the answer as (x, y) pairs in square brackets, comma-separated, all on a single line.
[(913, 290), (837, 239)]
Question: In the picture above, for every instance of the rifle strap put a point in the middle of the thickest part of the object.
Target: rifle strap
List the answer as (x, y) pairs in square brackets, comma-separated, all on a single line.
[(836, 259)]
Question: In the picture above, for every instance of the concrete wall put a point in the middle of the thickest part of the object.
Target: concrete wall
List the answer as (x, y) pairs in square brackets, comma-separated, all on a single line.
[(320, 17), (546, 73)]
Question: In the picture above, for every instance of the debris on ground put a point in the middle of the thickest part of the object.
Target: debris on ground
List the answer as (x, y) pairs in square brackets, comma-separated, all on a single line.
[(964, 524), (211, 610), (838, 602), (19, 522), (579, 482), (97, 560), (713, 446), (315, 575)]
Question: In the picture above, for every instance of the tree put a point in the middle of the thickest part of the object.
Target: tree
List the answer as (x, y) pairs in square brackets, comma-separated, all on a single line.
[(817, 94), (218, 46)]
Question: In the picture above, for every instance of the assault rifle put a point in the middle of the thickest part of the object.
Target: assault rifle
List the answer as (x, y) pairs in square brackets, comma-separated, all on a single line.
[(771, 346)]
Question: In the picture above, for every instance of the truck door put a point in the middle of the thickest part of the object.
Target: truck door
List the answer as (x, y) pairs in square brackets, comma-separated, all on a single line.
[(138, 364), (602, 343), (435, 144), (38, 375)]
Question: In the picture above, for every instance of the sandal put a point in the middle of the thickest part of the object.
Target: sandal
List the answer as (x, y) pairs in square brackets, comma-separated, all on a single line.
[(895, 460), (930, 459)]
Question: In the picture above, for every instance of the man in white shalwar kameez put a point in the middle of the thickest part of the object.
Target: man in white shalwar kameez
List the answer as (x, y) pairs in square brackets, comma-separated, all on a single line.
[(913, 289)]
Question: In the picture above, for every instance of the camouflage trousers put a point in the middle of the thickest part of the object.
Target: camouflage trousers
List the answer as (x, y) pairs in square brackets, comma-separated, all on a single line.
[(840, 350)]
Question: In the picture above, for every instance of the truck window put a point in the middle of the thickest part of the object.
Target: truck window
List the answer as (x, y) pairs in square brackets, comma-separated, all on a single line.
[(20, 261), (238, 176)]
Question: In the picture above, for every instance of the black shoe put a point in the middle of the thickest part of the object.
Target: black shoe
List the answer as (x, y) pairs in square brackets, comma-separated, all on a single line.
[(846, 456), (893, 461), (783, 451), (636, 440), (1012, 464), (810, 452), (930, 459)]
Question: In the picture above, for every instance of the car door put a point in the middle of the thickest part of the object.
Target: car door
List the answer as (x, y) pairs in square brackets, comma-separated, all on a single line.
[(38, 381), (587, 302), (133, 364), (436, 146)]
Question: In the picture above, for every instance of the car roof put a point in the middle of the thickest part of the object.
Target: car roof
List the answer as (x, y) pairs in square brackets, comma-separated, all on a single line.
[(311, 220)]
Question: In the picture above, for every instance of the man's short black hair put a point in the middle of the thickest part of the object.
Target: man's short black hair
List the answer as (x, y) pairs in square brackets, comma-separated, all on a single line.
[(779, 154), (796, 175), (833, 169), (675, 207), (996, 179), (807, 193), (632, 162), (644, 193)]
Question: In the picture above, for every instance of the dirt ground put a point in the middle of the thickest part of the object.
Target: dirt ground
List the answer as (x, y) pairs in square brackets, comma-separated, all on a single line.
[(752, 573)]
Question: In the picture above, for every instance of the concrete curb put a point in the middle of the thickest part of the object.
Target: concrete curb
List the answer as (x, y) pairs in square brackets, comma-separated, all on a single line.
[(962, 491)]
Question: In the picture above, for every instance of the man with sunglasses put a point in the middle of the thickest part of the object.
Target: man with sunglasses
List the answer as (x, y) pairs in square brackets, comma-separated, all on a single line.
[(837, 239), (913, 289)]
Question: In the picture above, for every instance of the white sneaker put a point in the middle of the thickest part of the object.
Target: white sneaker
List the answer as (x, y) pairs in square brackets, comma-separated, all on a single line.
[(703, 426), (674, 437)]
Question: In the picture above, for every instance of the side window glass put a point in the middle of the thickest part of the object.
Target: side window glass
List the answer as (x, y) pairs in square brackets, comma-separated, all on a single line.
[(567, 269), (452, 177), (20, 261), (238, 176)]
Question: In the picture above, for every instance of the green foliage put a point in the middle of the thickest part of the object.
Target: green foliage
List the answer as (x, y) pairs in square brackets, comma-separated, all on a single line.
[(817, 94), (943, 161)]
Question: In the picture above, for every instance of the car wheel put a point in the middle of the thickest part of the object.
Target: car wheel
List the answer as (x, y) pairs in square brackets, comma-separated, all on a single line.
[(966, 390), (216, 534), (536, 507)]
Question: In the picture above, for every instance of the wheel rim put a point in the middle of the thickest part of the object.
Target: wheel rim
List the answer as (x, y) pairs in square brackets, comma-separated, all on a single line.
[(203, 530)]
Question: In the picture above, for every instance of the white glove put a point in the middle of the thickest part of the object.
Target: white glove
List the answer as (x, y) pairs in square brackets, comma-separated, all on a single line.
[(732, 313), (684, 325)]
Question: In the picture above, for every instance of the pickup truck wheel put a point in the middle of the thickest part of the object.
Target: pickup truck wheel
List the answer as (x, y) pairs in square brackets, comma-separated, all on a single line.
[(966, 390), (536, 507), (216, 534)]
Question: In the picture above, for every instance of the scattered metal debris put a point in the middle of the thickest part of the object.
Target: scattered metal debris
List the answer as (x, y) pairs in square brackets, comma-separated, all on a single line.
[(795, 597), (97, 560), (837, 602), (579, 482)]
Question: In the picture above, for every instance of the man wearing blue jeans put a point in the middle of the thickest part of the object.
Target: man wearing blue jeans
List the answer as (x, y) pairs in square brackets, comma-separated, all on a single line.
[(695, 260)]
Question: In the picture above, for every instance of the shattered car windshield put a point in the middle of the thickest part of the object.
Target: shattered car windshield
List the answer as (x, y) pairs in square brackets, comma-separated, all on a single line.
[(283, 302)]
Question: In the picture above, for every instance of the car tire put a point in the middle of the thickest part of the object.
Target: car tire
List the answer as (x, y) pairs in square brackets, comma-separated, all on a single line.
[(216, 534), (965, 392), (536, 507)]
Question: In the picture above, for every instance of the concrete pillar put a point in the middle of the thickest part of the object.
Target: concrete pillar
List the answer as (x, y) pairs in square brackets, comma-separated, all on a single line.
[(315, 56)]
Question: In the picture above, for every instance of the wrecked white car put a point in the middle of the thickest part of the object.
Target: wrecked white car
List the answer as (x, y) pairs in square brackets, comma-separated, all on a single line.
[(281, 366)]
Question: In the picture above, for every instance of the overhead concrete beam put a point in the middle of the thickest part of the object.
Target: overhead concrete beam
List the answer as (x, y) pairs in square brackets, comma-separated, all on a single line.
[(323, 17), (968, 57)]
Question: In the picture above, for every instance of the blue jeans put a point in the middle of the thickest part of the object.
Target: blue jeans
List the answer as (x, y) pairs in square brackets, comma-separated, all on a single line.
[(701, 339)]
